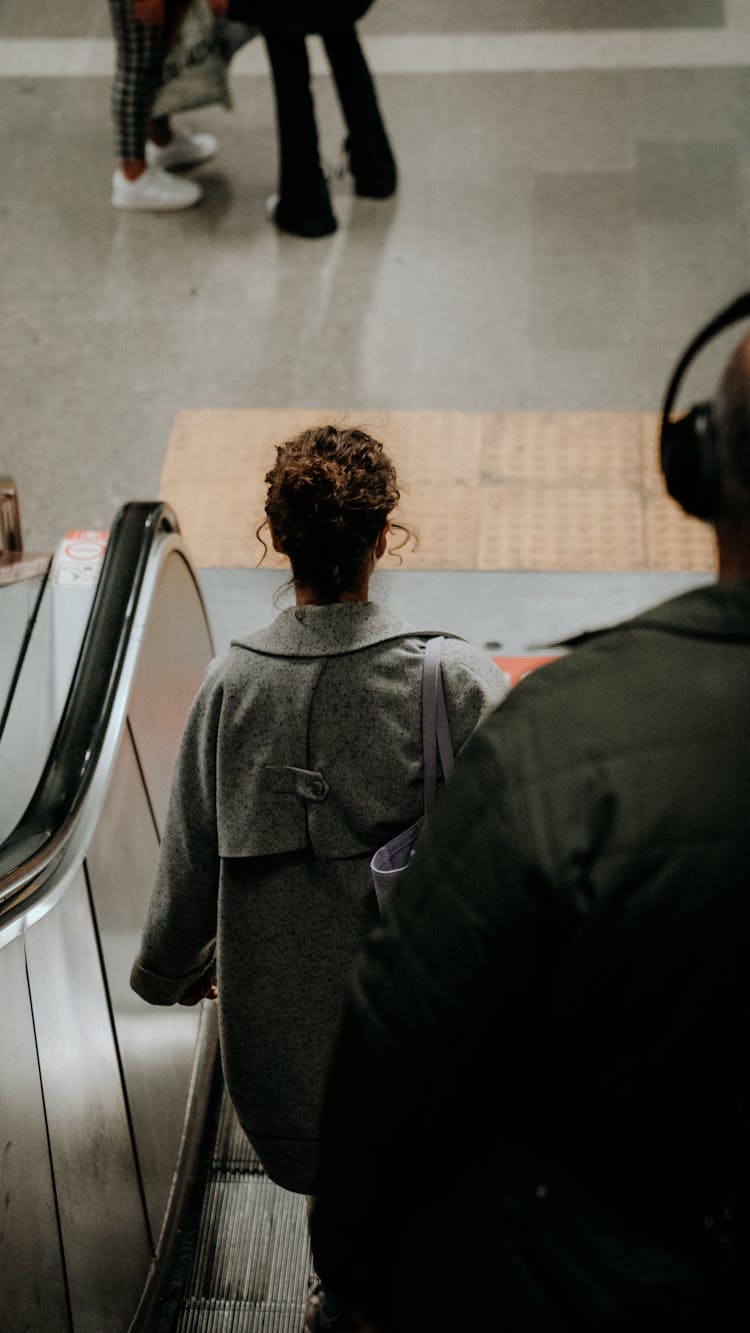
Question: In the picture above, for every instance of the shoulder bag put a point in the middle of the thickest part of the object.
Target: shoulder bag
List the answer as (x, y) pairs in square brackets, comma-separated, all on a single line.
[(437, 748)]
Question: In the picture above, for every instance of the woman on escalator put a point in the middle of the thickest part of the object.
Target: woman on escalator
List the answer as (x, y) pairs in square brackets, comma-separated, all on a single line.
[(302, 754)]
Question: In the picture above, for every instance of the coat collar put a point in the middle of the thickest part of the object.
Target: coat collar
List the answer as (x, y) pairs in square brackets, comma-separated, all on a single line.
[(720, 611), (326, 631), (717, 611)]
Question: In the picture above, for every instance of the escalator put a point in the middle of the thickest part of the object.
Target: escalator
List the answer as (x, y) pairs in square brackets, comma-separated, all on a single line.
[(248, 1265), (107, 1105)]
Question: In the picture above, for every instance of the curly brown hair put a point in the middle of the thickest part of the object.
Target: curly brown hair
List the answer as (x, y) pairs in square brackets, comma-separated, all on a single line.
[(330, 494)]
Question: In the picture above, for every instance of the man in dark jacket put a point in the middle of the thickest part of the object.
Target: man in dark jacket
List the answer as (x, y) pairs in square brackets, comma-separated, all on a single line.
[(537, 1117)]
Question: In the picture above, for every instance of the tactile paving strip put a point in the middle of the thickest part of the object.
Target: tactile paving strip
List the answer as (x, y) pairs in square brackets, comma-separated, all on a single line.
[(575, 529), (482, 490)]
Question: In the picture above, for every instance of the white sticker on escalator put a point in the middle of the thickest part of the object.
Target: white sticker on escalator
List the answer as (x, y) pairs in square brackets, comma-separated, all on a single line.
[(78, 558)]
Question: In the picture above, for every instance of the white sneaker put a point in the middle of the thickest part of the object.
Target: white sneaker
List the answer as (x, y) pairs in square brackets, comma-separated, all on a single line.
[(154, 191), (184, 149)]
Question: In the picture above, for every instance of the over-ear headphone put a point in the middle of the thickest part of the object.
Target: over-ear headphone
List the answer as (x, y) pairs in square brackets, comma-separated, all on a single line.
[(689, 452)]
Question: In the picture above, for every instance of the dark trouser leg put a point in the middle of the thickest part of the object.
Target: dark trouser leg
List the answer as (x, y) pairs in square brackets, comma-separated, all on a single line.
[(370, 156), (304, 206), (140, 54)]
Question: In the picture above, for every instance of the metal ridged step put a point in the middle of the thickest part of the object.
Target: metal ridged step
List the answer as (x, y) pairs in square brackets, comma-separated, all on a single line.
[(233, 1151), (252, 1259)]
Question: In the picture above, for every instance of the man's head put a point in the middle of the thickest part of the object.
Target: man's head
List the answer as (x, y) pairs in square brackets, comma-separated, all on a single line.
[(731, 418), (705, 453)]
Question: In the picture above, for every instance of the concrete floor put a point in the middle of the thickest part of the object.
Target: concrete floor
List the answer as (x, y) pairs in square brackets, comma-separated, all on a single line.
[(558, 234)]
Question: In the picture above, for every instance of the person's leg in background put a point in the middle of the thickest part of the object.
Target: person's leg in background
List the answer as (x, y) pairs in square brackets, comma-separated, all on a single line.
[(138, 181), (324, 1311), (140, 55), (371, 159), (304, 205)]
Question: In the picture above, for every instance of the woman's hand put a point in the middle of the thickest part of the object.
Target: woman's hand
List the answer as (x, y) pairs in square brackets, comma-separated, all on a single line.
[(150, 12), (203, 989)]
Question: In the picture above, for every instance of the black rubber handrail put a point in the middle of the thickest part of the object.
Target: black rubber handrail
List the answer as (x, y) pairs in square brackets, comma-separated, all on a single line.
[(41, 835)]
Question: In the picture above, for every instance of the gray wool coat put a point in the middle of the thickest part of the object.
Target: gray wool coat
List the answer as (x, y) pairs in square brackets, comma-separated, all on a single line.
[(302, 754)]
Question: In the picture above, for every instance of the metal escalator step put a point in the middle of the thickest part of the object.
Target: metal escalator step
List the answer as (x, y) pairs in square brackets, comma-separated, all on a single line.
[(252, 1260), (236, 1317), (232, 1150)]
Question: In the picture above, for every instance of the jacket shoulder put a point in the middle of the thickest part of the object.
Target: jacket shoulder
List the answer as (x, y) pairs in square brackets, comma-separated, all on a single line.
[(463, 664), (473, 685)]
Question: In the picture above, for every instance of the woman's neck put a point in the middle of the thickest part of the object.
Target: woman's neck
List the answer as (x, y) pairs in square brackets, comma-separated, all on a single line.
[(306, 596)]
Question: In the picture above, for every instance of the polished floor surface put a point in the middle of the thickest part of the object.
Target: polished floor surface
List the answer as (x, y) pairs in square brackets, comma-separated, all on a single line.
[(575, 196)]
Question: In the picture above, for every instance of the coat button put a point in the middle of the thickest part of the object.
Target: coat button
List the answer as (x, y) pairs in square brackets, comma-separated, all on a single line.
[(318, 788)]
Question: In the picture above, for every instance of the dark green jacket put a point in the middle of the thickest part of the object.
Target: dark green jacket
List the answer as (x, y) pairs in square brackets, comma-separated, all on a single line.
[(571, 945)]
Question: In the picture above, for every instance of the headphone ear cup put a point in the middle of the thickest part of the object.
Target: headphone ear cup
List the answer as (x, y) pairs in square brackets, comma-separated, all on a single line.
[(690, 463)]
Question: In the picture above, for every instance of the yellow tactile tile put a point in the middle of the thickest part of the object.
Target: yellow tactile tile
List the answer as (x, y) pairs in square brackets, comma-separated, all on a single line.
[(446, 522), (652, 479), (674, 541), (214, 474), (563, 528), (503, 490), (441, 449), (577, 449)]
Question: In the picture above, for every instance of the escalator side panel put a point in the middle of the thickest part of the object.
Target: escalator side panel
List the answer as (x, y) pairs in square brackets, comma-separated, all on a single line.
[(157, 1045), (102, 1222), (32, 1283), (176, 648)]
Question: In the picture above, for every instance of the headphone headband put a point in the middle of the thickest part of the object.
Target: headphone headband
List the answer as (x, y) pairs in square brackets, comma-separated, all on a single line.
[(739, 309), (688, 446)]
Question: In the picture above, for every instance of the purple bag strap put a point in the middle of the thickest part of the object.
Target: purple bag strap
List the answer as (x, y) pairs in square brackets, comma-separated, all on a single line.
[(436, 734)]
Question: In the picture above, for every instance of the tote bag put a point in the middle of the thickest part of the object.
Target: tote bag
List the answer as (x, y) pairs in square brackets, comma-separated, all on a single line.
[(194, 72)]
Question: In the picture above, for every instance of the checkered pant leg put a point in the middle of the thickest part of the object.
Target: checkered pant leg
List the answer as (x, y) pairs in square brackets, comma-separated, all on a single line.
[(140, 54)]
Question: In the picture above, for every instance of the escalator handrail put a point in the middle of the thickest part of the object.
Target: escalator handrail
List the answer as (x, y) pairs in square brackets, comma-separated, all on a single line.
[(41, 836)]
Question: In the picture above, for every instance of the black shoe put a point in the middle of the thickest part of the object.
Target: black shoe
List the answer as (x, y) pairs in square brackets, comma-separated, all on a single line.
[(299, 221), (317, 1321), (375, 174)]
